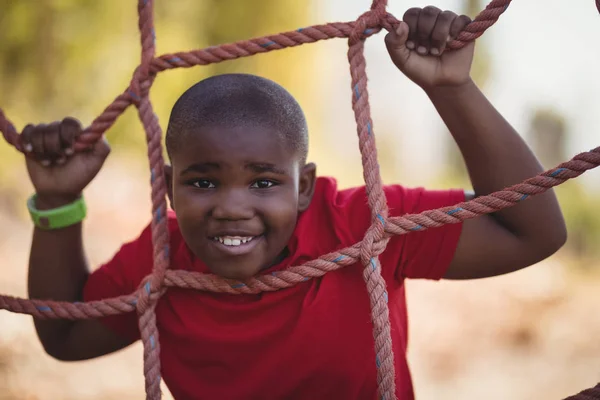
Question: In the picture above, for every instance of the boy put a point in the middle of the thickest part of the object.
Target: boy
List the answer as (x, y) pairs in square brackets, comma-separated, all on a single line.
[(246, 201)]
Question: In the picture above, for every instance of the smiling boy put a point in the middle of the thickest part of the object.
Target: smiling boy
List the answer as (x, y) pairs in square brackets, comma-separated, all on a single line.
[(246, 202)]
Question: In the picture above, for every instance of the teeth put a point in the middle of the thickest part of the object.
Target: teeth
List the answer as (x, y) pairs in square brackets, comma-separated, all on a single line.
[(233, 240)]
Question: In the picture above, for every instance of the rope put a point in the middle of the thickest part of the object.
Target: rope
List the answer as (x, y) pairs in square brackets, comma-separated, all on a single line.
[(369, 251), (243, 48), (145, 298)]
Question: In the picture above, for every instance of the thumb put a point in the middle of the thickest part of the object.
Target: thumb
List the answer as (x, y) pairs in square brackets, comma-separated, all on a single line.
[(101, 148), (396, 44)]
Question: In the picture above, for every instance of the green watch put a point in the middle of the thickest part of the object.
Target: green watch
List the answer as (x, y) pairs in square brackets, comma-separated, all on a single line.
[(57, 218)]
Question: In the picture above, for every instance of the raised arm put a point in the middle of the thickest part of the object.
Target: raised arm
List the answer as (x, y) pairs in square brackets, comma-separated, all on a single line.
[(495, 155), (57, 266)]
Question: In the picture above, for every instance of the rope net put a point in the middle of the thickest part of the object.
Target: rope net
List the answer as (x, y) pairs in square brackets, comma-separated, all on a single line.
[(145, 298)]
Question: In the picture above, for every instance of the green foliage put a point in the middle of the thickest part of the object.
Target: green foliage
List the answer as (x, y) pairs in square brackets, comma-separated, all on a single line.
[(73, 57)]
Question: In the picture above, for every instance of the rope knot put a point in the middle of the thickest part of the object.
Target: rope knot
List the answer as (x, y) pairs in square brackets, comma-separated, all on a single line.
[(374, 243), (140, 85), (372, 22), (148, 293)]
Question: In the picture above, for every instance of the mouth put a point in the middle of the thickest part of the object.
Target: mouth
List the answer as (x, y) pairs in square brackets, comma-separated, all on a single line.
[(235, 245)]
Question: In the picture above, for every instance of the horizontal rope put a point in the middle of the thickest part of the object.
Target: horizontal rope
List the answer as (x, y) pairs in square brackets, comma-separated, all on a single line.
[(145, 298), (245, 48), (330, 262)]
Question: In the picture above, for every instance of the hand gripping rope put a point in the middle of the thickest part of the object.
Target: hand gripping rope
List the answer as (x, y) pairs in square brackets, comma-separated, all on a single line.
[(145, 298)]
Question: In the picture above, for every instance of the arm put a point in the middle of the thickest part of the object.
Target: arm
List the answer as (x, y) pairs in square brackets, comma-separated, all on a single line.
[(497, 157), (57, 267), (58, 271), (494, 153)]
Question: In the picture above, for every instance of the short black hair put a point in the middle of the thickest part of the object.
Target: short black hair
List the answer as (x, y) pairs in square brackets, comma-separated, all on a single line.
[(232, 100)]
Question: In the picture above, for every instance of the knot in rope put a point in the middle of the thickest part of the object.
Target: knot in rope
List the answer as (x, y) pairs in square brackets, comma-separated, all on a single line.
[(149, 291), (374, 243), (153, 286), (140, 85), (371, 22)]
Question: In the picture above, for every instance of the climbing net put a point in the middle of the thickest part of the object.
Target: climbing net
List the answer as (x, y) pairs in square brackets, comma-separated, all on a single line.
[(145, 298)]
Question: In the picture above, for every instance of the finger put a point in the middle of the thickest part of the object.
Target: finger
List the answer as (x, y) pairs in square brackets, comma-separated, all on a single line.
[(458, 25), (441, 32), (396, 44), (102, 148), (70, 129), (411, 17), (52, 146), (37, 144), (26, 138), (425, 25)]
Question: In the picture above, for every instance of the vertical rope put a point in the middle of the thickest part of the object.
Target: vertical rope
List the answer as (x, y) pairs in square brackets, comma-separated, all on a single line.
[(375, 240), (140, 88), (160, 241), (147, 35), (384, 357)]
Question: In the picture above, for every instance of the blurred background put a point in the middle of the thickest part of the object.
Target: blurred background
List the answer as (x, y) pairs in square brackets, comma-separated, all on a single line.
[(528, 335)]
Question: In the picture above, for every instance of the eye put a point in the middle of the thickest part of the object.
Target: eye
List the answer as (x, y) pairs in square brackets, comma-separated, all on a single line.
[(263, 184), (202, 184)]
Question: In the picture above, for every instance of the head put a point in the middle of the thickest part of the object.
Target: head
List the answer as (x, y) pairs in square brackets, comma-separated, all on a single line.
[(238, 177)]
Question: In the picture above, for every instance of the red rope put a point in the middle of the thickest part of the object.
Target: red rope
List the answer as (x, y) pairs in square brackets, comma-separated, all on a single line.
[(369, 249), (231, 51), (144, 299)]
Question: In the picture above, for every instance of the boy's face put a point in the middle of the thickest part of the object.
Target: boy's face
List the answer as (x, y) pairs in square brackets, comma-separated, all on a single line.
[(237, 193)]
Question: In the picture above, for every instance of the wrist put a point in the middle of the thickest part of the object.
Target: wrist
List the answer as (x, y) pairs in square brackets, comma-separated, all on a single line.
[(454, 90), (49, 202)]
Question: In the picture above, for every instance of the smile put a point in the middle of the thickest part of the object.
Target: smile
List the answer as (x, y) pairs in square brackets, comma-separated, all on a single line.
[(233, 240), (236, 245)]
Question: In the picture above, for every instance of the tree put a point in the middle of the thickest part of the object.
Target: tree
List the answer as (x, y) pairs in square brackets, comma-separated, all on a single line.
[(73, 57)]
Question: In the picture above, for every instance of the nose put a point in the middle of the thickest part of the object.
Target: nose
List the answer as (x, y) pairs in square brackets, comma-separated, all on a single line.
[(233, 205)]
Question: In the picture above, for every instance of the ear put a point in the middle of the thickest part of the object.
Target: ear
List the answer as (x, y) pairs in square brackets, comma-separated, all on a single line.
[(169, 180), (306, 187)]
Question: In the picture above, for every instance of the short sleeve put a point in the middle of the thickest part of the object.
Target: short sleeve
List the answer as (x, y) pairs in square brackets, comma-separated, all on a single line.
[(121, 276), (424, 254)]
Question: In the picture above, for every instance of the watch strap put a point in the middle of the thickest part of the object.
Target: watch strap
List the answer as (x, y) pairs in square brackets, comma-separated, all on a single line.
[(57, 218)]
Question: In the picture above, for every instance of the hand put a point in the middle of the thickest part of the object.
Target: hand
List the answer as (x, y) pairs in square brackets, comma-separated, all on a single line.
[(418, 47), (57, 173)]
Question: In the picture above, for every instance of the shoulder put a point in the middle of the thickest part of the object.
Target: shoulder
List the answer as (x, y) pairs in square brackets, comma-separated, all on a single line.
[(328, 194), (346, 215), (352, 203), (400, 199)]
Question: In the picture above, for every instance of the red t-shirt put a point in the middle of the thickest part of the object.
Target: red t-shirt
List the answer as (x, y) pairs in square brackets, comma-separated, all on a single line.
[(311, 341)]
